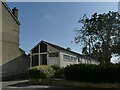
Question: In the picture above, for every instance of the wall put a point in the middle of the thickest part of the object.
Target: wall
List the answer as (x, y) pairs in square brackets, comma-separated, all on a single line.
[(10, 37), (17, 66), (14, 61), (53, 60), (83, 60), (0, 39), (64, 63)]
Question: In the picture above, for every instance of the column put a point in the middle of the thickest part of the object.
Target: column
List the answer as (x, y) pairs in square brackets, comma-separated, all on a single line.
[(31, 59), (39, 54)]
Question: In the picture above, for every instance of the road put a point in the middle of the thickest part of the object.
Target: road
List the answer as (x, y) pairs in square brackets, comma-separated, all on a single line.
[(24, 85)]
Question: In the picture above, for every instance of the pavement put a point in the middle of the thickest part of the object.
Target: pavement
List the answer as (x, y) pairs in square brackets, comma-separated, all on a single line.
[(25, 85)]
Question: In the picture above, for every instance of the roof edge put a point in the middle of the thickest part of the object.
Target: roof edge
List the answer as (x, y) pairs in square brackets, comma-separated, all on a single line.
[(54, 45), (9, 10)]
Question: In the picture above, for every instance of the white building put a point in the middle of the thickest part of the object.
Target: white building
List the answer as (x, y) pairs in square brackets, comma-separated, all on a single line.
[(45, 53)]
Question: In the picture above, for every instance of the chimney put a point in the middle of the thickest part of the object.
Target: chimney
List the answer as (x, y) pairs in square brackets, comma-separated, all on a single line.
[(15, 12)]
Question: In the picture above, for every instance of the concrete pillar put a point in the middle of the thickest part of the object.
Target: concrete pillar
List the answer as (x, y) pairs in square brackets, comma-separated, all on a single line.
[(48, 62), (39, 55), (31, 59)]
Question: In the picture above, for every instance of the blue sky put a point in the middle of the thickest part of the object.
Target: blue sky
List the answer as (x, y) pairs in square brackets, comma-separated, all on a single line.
[(55, 22)]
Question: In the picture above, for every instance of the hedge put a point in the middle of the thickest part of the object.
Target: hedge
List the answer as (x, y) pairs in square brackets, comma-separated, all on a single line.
[(58, 71), (41, 72), (55, 67), (93, 73)]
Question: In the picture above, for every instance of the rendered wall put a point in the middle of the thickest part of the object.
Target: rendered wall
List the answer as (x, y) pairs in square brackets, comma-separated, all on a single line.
[(14, 62), (53, 60), (0, 39), (10, 37), (64, 63)]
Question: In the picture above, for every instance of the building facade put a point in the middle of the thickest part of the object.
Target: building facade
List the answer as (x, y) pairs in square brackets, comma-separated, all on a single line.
[(45, 53), (14, 61)]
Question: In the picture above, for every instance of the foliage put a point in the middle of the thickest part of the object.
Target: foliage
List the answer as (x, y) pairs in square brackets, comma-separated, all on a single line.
[(100, 35), (42, 71), (68, 48), (59, 73), (55, 67), (93, 73)]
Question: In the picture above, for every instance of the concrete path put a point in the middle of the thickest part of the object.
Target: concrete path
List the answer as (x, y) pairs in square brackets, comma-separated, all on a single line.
[(24, 85)]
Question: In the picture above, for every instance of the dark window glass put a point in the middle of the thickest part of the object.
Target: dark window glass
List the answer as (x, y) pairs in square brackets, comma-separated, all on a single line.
[(43, 47), (35, 60), (36, 49)]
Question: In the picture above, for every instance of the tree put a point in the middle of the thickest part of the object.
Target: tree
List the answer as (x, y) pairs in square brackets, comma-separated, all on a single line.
[(68, 48), (100, 35)]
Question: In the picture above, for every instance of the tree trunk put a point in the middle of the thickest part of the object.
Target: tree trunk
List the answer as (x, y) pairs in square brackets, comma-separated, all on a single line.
[(106, 55)]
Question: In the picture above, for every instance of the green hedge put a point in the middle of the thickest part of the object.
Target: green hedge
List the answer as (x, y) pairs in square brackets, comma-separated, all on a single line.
[(55, 67), (41, 72), (93, 73), (58, 71)]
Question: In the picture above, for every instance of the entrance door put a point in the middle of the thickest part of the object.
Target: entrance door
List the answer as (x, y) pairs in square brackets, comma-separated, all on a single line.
[(44, 59)]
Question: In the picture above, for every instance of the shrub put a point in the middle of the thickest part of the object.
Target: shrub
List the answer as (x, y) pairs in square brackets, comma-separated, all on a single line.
[(42, 72), (59, 73), (93, 73), (55, 67)]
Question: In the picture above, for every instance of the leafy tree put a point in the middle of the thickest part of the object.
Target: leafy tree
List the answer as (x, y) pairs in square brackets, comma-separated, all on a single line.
[(100, 35), (68, 48)]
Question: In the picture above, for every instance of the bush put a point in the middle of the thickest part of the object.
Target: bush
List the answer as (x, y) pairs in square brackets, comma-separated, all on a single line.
[(55, 67), (93, 73), (41, 72), (59, 73)]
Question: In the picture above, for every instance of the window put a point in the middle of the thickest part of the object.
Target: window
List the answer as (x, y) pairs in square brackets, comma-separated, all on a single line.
[(36, 49), (35, 60), (73, 59), (69, 58), (79, 59), (65, 57), (55, 54)]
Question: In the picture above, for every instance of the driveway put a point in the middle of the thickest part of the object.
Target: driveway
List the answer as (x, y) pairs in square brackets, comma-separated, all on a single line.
[(25, 85)]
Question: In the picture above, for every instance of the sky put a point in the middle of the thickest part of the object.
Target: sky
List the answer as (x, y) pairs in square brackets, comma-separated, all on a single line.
[(55, 22)]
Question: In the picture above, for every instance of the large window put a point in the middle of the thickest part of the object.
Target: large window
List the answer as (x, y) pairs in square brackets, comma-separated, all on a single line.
[(69, 58), (36, 49), (43, 47), (35, 60)]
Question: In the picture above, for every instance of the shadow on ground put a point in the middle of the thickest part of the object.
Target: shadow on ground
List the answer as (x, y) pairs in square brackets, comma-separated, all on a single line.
[(27, 86), (21, 84)]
